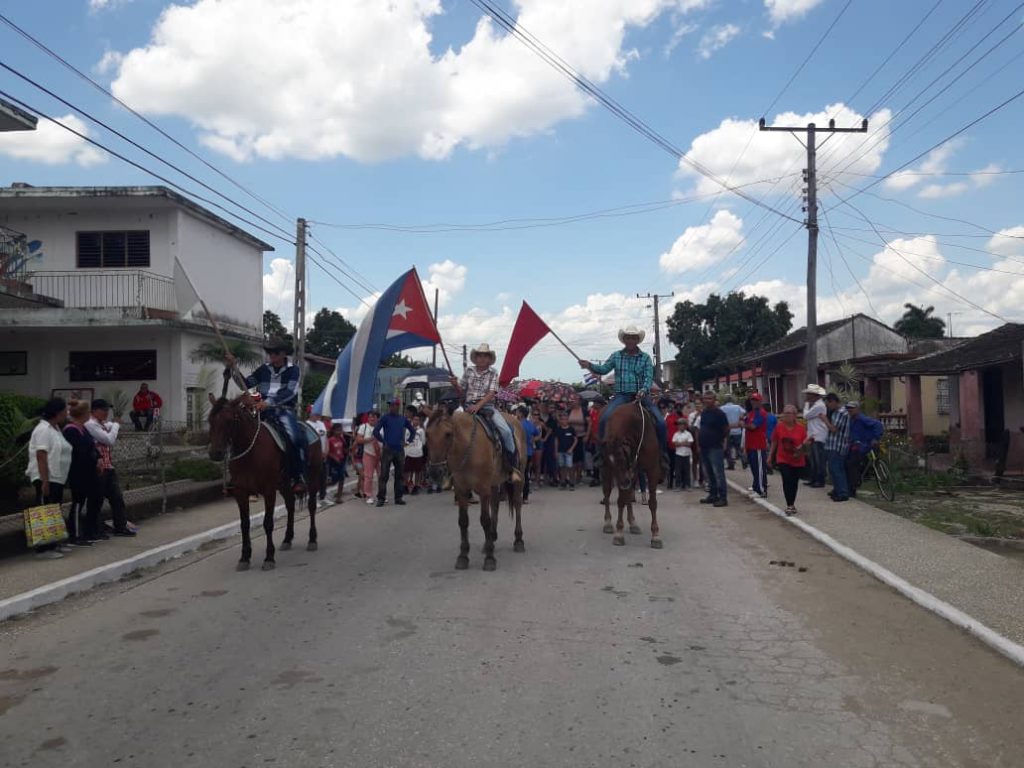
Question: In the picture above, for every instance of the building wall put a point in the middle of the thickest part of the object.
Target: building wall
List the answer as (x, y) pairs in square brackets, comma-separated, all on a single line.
[(861, 338)]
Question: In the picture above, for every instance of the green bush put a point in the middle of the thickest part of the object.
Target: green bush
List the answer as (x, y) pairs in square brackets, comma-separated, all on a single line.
[(14, 429), (194, 469), (30, 406)]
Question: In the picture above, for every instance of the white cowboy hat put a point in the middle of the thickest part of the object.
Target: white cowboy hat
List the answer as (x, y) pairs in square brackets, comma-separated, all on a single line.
[(483, 349), (631, 330), (815, 389)]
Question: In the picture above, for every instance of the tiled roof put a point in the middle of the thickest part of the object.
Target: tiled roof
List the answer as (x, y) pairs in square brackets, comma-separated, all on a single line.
[(997, 347), (789, 342)]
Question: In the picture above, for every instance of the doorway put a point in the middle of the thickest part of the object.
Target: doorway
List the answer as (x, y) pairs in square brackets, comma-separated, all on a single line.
[(995, 410)]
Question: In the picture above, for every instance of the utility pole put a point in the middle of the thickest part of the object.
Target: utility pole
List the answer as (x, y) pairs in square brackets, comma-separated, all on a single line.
[(299, 325), (657, 329), (436, 292), (811, 179)]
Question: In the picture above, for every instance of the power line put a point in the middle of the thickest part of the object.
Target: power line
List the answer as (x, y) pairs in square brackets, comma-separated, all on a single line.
[(828, 226)]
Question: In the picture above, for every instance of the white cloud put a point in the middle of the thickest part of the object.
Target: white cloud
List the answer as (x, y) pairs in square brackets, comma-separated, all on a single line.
[(934, 191), (737, 150), (102, 5), (716, 38), (52, 144), (110, 61), (279, 290), (937, 163), (703, 245), (448, 278), (364, 82), (681, 31), (783, 11)]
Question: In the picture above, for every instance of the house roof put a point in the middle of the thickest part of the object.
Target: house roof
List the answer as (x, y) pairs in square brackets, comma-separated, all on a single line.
[(794, 340), (997, 347), (29, 192), (14, 119)]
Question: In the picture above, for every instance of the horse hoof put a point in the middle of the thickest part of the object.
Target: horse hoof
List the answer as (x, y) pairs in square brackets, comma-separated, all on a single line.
[(619, 540), (243, 565), (490, 564), (608, 528), (269, 565), (519, 547), (656, 544), (461, 563), (635, 530), (286, 545), (311, 547)]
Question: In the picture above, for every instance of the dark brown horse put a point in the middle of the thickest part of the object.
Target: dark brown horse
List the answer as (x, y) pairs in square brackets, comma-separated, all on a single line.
[(458, 443), (259, 467), (630, 447)]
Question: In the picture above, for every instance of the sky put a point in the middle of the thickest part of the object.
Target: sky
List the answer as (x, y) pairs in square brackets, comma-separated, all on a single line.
[(420, 133)]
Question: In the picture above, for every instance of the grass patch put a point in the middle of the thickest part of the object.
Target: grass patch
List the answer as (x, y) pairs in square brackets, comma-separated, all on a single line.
[(194, 469), (959, 510)]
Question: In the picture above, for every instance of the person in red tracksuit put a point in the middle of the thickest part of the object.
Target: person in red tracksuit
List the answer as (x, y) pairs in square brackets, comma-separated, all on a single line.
[(145, 405), (755, 423)]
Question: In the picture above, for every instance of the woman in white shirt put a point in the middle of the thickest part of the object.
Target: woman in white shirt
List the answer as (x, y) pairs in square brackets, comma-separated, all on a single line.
[(49, 460), (371, 455)]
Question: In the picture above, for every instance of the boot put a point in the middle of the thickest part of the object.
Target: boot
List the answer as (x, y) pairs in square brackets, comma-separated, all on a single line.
[(511, 458)]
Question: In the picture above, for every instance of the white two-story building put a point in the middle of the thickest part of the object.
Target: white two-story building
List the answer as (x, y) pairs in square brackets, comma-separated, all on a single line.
[(88, 300)]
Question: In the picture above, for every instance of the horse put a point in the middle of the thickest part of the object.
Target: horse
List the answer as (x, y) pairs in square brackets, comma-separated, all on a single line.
[(459, 444), (259, 467), (630, 446)]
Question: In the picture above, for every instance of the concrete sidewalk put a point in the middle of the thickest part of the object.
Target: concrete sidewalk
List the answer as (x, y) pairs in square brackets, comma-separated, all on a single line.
[(979, 583)]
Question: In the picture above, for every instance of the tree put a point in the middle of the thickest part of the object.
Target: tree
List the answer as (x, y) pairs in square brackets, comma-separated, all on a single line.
[(329, 334), (723, 327), (398, 360), (918, 323), (272, 326), (213, 352)]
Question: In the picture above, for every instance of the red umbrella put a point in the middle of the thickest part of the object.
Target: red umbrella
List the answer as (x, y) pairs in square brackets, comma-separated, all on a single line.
[(530, 389)]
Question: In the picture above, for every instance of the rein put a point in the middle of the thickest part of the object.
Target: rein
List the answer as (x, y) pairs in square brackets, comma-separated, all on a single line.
[(643, 431), (465, 456), (255, 435)]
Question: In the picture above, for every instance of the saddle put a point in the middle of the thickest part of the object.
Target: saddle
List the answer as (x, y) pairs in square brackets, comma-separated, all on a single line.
[(281, 437), (489, 429)]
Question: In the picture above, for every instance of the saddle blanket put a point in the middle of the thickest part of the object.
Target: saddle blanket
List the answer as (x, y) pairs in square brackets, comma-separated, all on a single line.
[(278, 434)]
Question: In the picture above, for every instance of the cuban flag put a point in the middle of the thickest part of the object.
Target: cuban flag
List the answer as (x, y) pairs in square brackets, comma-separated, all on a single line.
[(399, 320)]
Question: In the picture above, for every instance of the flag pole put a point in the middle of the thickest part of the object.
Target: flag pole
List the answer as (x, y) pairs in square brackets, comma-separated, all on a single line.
[(434, 318), (567, 348), (236, 374)]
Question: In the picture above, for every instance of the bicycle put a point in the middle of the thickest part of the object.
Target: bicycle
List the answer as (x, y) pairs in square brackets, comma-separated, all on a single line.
[(879, 467)]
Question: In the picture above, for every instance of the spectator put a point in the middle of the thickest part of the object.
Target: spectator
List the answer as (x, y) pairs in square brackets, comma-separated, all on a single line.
[(789, 454), (317, 424), (532, 433), (49, 461), (837, 446), (711, 440), (816, 418), (565, 437), (772, 420), (671, 421), (538, 449), (578, 422), (592, 446), (371, 453), (146, 407), (756, 440), (682, 442), (83, 477), (415, 462), (734, 413), (865, 435), (105, 432), (391, 433), (336, 460)]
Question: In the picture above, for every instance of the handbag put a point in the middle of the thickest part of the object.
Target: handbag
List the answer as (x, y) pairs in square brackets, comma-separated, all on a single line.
[(45, 525)]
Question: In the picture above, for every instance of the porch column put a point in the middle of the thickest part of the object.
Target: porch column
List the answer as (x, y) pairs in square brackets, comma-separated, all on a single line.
[(915, 411), (871, 389), (972, 422)]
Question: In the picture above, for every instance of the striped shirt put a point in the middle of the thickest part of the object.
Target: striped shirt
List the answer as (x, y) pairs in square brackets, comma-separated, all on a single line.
[(476, 385), (839, 441), (277, 386), (633, 373)]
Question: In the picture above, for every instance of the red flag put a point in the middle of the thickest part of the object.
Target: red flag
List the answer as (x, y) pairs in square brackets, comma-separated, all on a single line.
[(528, 330)]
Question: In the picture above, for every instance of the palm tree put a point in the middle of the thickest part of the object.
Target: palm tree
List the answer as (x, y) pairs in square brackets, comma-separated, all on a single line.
[(212, 352), (917, 323)]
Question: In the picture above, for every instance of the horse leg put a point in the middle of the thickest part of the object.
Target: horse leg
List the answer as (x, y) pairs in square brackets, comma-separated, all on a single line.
[(462, 561), (270, 497), (317, 476), (655, 530), (619, 539), (243, 514), (516, 500), (489, 522), (606, 487), (631, 519), (289, 504)]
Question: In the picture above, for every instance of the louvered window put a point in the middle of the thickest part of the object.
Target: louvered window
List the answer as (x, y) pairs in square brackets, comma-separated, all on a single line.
[(113, 250)]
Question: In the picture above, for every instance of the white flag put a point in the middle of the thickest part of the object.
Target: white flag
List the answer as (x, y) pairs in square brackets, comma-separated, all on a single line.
[(185, 293)]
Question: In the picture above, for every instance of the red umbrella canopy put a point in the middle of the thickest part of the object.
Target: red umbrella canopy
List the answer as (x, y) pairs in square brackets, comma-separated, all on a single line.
[(529, 389)]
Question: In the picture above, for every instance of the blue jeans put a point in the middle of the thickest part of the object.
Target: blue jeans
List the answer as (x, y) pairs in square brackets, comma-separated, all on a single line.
[(296, 439), (508, 440), (818, 462), (620, 399), (837, 469), (713, 460)]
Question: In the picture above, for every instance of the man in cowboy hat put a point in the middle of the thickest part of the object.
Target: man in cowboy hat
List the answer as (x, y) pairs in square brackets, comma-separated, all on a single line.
[(634, 377), (277, 381), (479, 387), (816, 416)]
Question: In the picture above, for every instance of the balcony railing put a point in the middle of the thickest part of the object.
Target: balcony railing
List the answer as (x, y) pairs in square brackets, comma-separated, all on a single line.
[(13, 254), (91, 289)]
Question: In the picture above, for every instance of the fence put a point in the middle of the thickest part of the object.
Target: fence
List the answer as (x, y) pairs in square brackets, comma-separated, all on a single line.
[(90, 289)]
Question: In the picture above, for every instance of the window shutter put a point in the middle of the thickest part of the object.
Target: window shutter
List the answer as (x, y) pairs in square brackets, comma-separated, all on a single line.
[(90, 251)]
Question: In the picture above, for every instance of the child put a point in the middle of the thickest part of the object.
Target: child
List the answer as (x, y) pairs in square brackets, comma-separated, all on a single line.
[(414, 461), (682, 441), (336, 460), (565, 442)]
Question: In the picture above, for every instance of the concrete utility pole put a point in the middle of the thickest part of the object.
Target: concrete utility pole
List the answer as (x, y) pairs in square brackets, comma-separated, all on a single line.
[(811, 178), (299, 325), (657, 329)]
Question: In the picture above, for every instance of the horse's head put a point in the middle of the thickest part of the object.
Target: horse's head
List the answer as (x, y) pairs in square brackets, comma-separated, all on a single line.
[(440, 433), (225, 416), (620, 460)]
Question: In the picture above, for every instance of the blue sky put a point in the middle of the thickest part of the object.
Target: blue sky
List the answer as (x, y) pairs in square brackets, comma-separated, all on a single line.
[(345, 113)]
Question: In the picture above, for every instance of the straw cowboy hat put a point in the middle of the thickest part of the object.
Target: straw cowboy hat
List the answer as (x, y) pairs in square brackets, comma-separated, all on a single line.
[(815, 389), (631, 330), (482, 349)]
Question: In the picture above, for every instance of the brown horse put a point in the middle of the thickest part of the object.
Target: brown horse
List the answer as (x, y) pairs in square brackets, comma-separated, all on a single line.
[(630, 447), (259, 467), (459, 444)]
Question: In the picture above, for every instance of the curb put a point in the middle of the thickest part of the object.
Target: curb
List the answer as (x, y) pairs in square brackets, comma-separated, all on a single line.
[(110, 572), (1004, 645)]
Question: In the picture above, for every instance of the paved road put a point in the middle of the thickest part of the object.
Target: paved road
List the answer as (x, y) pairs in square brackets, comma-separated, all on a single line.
[(373, 651)]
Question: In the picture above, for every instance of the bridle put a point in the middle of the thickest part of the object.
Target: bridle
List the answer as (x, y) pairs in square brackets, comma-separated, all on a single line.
[(465, 456), (236, 420)]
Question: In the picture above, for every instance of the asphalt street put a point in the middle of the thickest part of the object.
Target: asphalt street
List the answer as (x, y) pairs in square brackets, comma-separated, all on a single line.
[(374, 651)]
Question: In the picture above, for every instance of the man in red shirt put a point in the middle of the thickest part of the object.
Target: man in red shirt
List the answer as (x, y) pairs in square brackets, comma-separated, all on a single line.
[(144, 407), (755, 423), (671, 419)]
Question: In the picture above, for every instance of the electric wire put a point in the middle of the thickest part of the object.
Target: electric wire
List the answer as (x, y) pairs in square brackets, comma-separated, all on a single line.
[(849, 269)]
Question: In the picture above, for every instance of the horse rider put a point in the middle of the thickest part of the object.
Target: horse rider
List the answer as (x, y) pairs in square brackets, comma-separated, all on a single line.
[(634, 376), (479, 387), (277, 381)]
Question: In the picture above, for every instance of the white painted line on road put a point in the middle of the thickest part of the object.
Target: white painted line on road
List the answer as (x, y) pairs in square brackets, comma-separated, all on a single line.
[(110, 572), (928, 601)]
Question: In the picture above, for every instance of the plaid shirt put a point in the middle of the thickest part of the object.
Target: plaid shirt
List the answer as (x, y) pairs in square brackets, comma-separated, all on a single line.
[(633, 373), (476, 385), (839, 441), (278, 386)]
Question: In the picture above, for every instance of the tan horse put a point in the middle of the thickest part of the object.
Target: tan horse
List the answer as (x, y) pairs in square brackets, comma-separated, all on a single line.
[(459, 444), (630, 447)]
